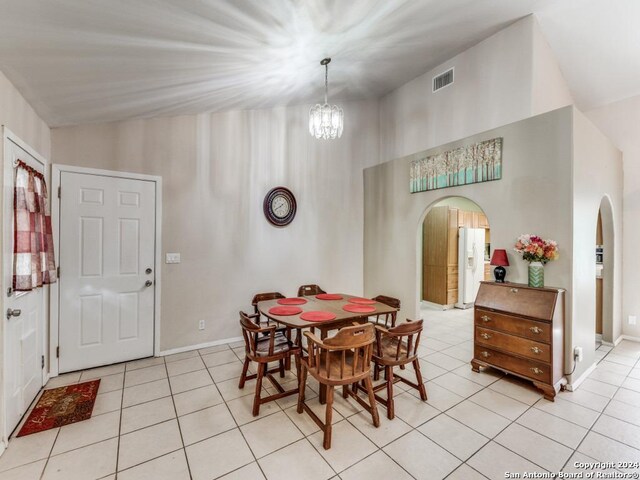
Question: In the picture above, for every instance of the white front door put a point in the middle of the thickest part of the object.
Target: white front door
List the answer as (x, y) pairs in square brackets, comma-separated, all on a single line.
[(24, 331), (107, 287)]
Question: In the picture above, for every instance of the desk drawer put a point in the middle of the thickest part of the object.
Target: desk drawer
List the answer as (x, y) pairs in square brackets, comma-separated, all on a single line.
[(527, 368), (511, 343), (538, 331)]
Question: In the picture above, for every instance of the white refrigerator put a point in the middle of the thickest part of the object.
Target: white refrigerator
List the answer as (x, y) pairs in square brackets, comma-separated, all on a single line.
[(470, 265)]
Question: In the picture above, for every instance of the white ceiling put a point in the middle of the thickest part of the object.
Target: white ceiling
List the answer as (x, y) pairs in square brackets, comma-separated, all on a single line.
[(80, 61)]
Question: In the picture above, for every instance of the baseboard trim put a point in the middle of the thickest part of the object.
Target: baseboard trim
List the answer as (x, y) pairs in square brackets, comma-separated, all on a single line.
[(574, 385), (628, 337), (618, 340), (189, 348)]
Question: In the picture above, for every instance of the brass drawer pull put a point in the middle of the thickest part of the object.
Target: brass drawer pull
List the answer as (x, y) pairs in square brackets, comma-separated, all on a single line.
[(537, 370), (485, 318), (485, 354), (514, 290), (536, 330), (486, 336), (536, 350)]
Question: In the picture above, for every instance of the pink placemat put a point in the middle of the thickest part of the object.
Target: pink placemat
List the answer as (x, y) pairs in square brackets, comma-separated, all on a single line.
[(329, 296), (362, 301), (285, 311), (318, 316), (292, 301), (350, 307)]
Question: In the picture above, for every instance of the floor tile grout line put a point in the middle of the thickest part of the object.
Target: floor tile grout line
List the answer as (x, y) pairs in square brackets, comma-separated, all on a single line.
[(44, 468), (237, 426), (600, 414), (173, 402)]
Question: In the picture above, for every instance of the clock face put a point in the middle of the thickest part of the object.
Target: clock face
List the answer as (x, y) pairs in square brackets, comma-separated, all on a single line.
[(279, 206)]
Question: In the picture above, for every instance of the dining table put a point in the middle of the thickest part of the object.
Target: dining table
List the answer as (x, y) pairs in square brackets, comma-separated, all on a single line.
[(333, 304)]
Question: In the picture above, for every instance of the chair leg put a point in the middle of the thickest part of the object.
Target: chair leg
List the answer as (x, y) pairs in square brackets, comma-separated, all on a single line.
[(345, 391), (420, 382), (376, 372), (328, 416), (302, 387), (372, 402), (243, 376), (281, 368), (256, 399), (389, 376)]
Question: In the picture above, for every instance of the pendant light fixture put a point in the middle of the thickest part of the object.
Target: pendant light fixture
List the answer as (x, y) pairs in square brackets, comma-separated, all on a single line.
[(326, 121)]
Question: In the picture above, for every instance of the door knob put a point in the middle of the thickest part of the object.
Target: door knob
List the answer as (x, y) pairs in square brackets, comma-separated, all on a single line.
[(148, 283), (13, 313), (148, 271)]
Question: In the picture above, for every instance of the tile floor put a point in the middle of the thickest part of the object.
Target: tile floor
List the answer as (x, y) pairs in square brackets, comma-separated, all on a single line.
[(183, 417)]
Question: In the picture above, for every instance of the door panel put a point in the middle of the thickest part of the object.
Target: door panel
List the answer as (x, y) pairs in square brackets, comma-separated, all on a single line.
[(107, 241), (25, 333)]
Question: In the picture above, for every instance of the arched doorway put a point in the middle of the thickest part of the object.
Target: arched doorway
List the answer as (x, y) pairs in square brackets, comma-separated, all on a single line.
[(454, 249), (605, 272)]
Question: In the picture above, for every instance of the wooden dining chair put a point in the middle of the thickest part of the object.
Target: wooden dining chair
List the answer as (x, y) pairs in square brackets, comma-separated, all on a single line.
[(386, 319), (261, 297), (343, 359), (309, 290), (263, 349), (397, 346)]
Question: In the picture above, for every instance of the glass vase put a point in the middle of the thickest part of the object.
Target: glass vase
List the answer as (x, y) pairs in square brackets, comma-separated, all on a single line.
[(536, 274)]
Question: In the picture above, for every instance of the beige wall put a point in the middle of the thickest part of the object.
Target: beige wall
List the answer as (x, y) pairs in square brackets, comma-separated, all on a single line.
[(549, 88), (591, 182), (216, 169), (492, 87), (534, 196), (619, 121)]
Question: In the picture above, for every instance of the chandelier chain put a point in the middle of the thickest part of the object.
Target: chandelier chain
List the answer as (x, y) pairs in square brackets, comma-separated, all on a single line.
[(326, 83)]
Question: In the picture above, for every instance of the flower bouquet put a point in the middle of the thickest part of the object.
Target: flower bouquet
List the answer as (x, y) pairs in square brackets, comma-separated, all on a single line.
[(537, 251)]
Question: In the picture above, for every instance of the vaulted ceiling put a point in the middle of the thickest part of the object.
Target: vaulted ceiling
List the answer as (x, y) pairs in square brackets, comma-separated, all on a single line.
[(80, 61)]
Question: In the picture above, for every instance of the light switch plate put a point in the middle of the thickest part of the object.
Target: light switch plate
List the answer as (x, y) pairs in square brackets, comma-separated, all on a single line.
[(632, 319), (172, 258)]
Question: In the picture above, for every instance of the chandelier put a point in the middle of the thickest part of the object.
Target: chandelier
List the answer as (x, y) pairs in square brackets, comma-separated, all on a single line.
[(326, 121)]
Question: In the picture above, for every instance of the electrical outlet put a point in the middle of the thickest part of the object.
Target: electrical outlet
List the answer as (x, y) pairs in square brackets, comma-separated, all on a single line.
[(577, 354), (632, 319), (172, 258), (201, 325)]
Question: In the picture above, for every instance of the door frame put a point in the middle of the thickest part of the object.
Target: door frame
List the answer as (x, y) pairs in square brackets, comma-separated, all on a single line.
[(57, 170), (9, 136)]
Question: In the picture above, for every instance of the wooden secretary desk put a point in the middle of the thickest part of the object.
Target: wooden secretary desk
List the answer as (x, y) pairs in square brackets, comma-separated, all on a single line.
[(520, 330)]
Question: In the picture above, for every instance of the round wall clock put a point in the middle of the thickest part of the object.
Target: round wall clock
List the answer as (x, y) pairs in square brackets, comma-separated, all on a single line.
[(279, 206)]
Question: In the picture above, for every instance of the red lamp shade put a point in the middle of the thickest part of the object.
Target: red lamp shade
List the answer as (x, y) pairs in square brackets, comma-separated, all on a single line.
[(499, 258)]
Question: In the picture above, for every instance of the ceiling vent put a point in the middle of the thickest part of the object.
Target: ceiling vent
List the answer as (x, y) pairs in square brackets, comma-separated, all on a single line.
[(442, 80)]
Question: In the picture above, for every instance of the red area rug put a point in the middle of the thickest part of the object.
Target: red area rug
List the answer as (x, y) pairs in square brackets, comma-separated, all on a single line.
[(62, 406)]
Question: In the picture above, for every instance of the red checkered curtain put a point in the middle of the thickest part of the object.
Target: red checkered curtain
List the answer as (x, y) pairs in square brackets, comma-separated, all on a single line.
[(33, 259)]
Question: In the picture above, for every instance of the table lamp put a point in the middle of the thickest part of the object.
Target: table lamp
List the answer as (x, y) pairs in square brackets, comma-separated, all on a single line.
[(499, 260)]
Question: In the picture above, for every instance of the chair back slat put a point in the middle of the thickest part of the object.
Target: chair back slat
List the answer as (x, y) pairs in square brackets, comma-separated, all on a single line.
[(262, 297), (350, 345), (250, 332), (389, 318), (309, 290), (405, 336)]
